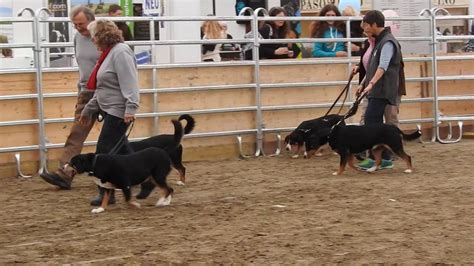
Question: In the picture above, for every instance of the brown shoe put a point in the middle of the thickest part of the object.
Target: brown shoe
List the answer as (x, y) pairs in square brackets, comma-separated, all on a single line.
[(57, 180)]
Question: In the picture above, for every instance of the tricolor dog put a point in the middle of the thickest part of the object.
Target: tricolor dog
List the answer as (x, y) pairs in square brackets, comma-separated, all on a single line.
[(298, 137), (349, 140)]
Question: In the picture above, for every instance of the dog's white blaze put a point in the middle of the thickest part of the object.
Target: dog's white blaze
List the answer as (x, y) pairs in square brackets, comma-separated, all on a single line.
[(180, 183), (98, 210), (408, 171), (288, 147)]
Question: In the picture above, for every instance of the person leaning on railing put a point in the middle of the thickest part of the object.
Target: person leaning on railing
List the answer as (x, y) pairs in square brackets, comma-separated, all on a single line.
[(6, 52), (276, 29), (469, 45), (212, 30), (328, 29)]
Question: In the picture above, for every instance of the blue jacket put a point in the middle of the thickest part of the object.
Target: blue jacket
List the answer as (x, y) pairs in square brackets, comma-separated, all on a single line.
[(329, 49)]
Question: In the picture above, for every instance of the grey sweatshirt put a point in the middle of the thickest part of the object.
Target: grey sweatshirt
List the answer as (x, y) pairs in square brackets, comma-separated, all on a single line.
[(117, 90), (86, 57)]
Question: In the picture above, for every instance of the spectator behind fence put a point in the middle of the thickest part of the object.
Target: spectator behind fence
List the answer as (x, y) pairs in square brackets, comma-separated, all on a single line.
[(247, 47), (117, 11), (227, 46), (115, 82), (277, 29), (469, 45), (6, 52), (211, 30), (86, 57), (328, 29), (229, 51), (355, 30)]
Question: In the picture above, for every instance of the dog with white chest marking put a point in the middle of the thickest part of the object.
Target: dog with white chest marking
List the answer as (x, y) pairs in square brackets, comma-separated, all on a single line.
[(124, 171), (351, 139), (299, 136)]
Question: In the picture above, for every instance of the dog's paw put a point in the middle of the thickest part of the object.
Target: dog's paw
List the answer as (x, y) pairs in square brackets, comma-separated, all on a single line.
[(98, 210), (335, 173), (408, 171), (164, 201), (135, 204), (372, 169), (295, 156), (180, 183), (319, 154)]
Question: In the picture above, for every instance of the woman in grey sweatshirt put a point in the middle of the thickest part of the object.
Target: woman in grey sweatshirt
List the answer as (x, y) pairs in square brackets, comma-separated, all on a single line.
[(115, 81)]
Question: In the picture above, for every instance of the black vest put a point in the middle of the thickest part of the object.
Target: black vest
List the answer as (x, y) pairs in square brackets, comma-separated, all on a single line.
[(387, 86)]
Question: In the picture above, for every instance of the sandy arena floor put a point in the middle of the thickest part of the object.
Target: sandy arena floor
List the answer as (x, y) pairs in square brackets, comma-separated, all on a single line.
[(260, 211)]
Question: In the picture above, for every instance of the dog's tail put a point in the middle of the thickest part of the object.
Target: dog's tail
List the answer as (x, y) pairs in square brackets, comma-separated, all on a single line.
[(190, 123), (412, 136), (178, 131)]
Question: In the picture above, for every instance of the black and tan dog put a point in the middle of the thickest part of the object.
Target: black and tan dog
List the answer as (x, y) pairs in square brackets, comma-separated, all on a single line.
[(349, 140), (171, 144), (151, 165), (299, 136)]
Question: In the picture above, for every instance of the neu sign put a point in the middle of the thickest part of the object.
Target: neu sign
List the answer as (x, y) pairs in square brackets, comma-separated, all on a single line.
[(151, 7)]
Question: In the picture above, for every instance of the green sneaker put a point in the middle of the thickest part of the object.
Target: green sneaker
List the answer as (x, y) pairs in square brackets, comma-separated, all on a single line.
[(386, 164), (366, 164)]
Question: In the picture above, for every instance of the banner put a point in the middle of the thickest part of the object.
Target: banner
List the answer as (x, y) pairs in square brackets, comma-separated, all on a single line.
[(316, 5), (100, 7), (6, 28)]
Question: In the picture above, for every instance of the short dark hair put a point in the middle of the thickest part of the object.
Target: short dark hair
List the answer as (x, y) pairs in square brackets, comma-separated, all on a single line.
[(374, 16), (114, 7)]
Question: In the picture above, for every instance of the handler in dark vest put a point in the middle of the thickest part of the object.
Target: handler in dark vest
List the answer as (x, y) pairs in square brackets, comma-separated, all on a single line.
[(383, 73)]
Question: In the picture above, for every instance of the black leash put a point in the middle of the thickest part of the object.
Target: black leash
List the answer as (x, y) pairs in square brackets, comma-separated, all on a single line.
[(117, 146), (122, 140), (346, 91), (355, 105)]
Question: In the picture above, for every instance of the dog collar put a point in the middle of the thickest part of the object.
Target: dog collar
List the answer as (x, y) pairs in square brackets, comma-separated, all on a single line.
[(94, 161)]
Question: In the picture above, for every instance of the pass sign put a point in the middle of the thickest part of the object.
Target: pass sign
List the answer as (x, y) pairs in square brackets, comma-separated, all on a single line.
[(151, 7)]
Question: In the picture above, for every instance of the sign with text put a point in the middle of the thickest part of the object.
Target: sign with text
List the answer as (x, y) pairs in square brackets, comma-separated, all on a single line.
[(316, 5), (409, 28), (450, 3), (151, 7)]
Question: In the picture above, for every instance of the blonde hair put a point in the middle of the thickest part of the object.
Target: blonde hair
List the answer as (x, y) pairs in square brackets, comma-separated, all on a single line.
[(349, 11), (105, 33), (212, 29)]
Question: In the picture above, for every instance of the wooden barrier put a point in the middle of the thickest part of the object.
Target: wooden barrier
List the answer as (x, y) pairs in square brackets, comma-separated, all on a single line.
[(209, 147)]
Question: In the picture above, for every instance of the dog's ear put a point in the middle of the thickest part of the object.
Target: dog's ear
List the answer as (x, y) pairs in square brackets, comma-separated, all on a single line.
[(287, 138)]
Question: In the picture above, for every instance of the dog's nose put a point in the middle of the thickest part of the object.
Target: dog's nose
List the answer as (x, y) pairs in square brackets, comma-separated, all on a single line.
[(288, 147)]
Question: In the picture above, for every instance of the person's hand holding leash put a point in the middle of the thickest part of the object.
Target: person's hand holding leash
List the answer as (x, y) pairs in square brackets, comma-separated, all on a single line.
[(355, 69), (128, 118), (368, 88)]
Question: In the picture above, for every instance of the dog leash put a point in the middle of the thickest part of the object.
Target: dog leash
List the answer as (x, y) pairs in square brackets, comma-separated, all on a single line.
[(346, 90), (117, 146), (355, 105), (122, 140)]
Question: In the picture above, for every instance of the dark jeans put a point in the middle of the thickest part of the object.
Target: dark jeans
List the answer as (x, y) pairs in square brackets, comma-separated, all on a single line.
[(374, 115), (113, 129)]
